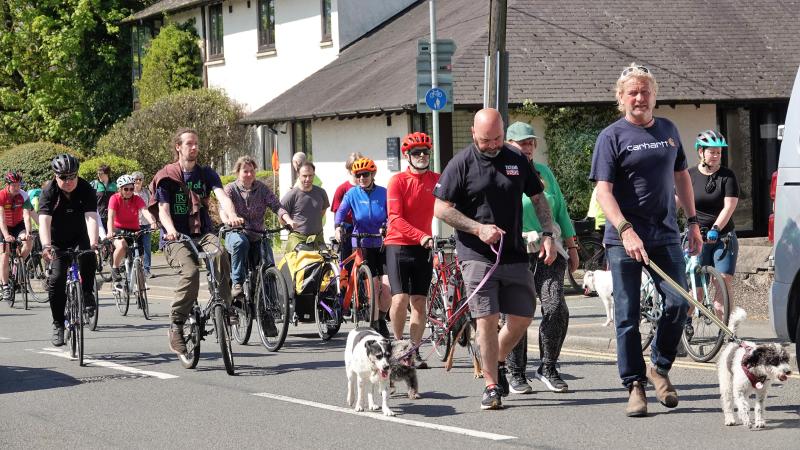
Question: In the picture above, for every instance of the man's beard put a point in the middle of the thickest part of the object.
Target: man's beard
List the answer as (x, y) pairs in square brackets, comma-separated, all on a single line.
[(488, 153), (419, 167)]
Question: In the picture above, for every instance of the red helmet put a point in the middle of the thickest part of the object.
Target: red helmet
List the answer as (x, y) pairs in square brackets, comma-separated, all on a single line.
[(363, 165), (13, 177), (416, 139)]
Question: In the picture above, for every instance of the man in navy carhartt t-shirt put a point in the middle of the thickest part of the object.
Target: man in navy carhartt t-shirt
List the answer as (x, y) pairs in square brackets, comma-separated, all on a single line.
[(638, 164)]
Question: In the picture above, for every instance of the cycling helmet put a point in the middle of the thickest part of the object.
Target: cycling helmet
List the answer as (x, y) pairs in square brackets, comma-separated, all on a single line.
[(125, 179), (413, 140), (710, 138), (64, 163), (363, 165), (13, 177)]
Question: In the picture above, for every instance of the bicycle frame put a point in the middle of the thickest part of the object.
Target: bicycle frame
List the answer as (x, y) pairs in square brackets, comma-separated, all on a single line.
[(349, 282), (444, 272)]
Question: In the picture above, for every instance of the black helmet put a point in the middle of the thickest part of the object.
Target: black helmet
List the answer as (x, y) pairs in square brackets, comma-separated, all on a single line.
[(65, 163)]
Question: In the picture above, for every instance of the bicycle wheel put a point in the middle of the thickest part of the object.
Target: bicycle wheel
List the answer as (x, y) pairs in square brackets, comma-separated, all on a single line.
[(242, 330), (272, 308), (191, 332), (105, 261), (707, 339), (650, 311), (328, 312), (70, 314), (122, 295), (365, 295), (437, 321), (141, 289), (21, 282), (79, 325), (222, 329), (91, 322), (36, 280)]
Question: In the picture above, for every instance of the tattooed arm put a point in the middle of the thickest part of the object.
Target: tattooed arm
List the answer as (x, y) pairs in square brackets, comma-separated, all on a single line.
[(543, 212), (488, 233)]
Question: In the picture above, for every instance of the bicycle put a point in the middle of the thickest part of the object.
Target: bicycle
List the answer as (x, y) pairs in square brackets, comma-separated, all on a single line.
[(17, 275), (701, 347), (215, 309), (74, 311), (445, 297), (266, 298), (133, 280), (358, 302), (36, 271), (105, 252), (591, 253)]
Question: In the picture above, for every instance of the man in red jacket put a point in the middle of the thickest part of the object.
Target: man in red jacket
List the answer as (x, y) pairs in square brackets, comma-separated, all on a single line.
[(410, 199)]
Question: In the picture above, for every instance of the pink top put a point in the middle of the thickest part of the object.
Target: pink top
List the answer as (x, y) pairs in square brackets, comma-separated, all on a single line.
[(126, 212)]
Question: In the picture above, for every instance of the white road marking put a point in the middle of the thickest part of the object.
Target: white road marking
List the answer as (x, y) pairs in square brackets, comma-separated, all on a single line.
[(380, 416), (4, 338), (111, 365)]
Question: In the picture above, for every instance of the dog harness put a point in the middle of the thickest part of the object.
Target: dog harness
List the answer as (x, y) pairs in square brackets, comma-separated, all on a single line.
[(756, 382)]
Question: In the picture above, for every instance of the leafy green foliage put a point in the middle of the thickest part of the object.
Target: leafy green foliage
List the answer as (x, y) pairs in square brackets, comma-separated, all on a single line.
[(33, 160), (64, 69), (145, 135), (571, 135), (172, 63), (118, 165)]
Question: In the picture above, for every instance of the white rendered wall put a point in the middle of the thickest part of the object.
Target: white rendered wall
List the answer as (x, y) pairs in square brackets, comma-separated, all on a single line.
[(690, 121)]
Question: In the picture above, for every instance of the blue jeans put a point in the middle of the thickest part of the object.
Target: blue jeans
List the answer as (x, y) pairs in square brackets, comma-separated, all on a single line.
[(146, 246), (626, 274), (238, 246)]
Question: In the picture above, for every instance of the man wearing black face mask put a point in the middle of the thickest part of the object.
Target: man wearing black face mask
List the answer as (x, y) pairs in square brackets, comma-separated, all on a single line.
[(408, 238), (480, 195)]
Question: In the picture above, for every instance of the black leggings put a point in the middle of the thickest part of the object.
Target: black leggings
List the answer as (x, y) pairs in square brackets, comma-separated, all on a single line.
[(549, 282), (57, 282)]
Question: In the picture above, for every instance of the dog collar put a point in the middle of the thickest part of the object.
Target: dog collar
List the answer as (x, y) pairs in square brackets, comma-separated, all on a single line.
[(756, 382)]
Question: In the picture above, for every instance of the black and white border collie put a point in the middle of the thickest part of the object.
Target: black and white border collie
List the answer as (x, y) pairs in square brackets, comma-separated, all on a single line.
[(367, 362)]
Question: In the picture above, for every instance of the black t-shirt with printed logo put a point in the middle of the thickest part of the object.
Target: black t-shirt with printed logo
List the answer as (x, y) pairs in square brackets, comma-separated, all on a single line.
[(201, 180), (68, 227), (489, 191)]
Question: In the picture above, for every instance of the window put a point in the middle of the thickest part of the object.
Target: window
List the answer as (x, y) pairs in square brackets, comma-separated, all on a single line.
[(301, 137), (266, 25), (326, 20), (215, 33)]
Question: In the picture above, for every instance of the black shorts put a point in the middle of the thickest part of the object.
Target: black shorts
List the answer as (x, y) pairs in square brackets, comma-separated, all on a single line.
[(15, 231), (409, 269), (376, 260)]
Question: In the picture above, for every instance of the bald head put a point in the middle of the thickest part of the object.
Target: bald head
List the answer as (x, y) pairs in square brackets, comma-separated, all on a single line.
[(487, 131), (298, 159)]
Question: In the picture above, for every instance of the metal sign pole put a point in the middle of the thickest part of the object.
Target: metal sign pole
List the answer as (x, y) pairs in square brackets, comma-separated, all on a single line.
[(435, 113)]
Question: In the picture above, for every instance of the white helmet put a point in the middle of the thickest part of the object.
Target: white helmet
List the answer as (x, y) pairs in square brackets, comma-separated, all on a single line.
[(125, 179)]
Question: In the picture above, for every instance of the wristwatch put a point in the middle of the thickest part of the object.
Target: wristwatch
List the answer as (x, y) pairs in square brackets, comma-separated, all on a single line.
[(692, 220)]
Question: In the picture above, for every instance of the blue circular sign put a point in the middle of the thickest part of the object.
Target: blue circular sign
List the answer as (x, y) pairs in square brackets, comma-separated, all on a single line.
[(436, 99)]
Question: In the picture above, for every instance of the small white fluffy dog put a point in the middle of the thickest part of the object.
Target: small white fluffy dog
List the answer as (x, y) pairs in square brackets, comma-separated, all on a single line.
[(367, 362), (749, 369), (600, 281)]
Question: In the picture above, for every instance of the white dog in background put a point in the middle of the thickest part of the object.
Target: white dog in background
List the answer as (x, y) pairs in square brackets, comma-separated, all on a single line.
[(746, 369), (367, 362), (600, 281)]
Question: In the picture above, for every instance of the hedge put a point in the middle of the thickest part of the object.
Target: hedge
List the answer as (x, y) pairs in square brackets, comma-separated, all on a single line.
[(118, 165), (33, 160)]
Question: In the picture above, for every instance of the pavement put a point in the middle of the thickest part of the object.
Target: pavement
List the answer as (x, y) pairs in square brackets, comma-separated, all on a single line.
[(586, 330)]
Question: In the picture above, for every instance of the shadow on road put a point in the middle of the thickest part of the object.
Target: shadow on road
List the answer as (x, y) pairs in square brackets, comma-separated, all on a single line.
[(23, 379)]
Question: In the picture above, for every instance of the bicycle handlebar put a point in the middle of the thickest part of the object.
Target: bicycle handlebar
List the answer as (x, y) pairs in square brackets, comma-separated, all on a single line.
[(201, 255)]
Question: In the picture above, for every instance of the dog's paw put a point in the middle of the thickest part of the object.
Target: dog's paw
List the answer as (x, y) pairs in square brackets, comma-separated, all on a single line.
[(374, 407), (359, 408), (413, 395), (479, 375), (388, 412), (758, 424), (730, 420), (746, 423)]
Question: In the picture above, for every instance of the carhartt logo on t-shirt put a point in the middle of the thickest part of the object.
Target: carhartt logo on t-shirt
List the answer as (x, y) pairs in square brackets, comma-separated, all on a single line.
[(512, 169), (651, 145)]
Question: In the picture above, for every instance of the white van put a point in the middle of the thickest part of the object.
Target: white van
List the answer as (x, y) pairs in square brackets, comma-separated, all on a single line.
[(784, 228)]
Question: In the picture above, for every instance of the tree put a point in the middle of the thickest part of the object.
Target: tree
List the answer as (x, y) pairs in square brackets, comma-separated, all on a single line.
[(145, 135), (172, 63), (64, 69)]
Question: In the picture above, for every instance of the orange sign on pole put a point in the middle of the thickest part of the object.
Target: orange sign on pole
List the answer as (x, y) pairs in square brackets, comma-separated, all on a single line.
[(276, 164)]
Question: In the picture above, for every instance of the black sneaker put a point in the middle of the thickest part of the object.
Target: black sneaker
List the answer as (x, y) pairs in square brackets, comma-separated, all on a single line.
[(177, 343), (89, 304), (381, 327), (551, 379), (116, 276), (58, 336), (419, 362), (502, 379), (492, 398), (519, 384)]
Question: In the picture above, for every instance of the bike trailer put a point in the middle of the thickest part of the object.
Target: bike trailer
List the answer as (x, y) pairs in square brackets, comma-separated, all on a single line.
[(302, 270)]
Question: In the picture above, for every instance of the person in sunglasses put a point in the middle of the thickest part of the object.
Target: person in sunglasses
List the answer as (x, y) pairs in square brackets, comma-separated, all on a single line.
[(638, 164), (123, 215), (67, 219), (409, 200), (716, 194)]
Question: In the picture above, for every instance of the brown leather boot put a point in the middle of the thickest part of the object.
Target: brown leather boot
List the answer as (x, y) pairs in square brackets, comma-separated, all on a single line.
[(665, 391), (637, 402)]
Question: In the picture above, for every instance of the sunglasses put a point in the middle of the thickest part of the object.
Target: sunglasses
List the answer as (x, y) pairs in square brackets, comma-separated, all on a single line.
[(138, 180), (127, 189), (419, 153), (363, 175), (68, 177), (628, 70)]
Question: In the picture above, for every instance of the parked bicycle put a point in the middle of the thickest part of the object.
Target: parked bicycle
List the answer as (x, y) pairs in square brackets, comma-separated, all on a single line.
[(133, 280), (704, 339), (591, 253), (266, 298), (215, 310), (75, 315), (36, 271)]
